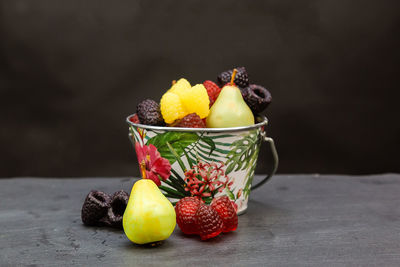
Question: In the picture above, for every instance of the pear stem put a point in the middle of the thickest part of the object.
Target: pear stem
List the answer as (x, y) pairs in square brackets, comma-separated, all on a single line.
[(173, 82), (233, 75), (143, 169)]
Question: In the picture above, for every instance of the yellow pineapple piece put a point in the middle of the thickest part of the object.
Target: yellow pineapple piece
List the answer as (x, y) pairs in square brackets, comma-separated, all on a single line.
[(180, 87), (171, 107), (196, 100)]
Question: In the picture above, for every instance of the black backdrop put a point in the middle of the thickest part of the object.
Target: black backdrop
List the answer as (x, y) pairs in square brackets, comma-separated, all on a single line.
[(71, 71)]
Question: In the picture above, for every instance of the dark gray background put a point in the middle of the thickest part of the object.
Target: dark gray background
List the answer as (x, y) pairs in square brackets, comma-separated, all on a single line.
[(71, 71)]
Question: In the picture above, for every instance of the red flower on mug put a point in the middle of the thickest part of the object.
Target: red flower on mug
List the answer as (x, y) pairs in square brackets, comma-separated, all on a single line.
[(151, 164)]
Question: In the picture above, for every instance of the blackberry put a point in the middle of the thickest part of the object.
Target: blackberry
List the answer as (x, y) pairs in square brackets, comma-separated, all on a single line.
[(95, 207), (241, 78), (118, 203), (257, 97), (99, 209), (149, 113)]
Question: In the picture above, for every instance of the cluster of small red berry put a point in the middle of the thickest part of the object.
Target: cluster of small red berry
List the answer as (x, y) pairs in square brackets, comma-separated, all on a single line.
[(195, 217), (204, 180)]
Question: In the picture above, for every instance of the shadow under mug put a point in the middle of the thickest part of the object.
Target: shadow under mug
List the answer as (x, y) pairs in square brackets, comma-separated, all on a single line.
[(202, 162)]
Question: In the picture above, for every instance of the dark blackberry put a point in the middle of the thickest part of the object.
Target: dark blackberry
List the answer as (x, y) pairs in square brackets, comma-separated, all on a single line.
[(241, 78), (118, 203), (257, 97), (95, 207), (149, 113)]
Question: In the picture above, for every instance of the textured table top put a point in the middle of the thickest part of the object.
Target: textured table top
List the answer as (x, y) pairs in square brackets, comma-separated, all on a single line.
[(306, 220)]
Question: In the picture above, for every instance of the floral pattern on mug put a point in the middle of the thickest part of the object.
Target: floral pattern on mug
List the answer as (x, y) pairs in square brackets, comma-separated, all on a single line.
[(202, 164), (152, 165)]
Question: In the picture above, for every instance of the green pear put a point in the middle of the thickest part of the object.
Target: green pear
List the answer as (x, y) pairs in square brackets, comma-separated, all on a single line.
[(149, 216), (230, 110)]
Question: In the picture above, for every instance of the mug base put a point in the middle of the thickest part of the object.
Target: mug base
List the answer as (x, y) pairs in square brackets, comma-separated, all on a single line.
[(241, 212)]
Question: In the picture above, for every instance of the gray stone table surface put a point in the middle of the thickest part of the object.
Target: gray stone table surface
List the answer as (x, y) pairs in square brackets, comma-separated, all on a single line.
[(294, 220)]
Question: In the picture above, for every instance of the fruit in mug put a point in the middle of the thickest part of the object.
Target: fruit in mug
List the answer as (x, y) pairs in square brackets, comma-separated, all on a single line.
[(134, 119), (180, 86), (190, 121), (230, 110), (149, 113), (196, 100), (149, 216), (172, 107), (241, 79), (212, 90), (257, 97), (182, 100)]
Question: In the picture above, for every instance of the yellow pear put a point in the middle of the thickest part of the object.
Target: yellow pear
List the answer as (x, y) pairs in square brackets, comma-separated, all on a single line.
[(149, 216), (230, 110)]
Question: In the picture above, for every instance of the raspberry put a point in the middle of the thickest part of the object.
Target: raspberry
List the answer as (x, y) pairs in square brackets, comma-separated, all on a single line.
[(196, 100), (227, 213), (257, 97), (235, 206), (241, 78), (212, 90), (186, 209), (208, 222), (134, 119), (190, 121), (172, 107), (148, 112), (95, 207)]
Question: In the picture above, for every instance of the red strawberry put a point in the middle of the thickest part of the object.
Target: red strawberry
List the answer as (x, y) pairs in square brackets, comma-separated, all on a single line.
[(227, 212), (186, 209), (213, 91), (209, 223)]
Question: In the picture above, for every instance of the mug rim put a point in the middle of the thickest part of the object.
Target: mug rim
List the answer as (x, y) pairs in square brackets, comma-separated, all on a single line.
[(263, 121)]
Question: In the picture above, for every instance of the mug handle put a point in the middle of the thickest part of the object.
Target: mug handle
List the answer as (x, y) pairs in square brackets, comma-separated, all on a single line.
[(275, 158)]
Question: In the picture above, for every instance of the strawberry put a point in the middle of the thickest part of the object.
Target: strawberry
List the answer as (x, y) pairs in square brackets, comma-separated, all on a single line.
[(212, 90), (227, 213), (185, 210), (209, 223)]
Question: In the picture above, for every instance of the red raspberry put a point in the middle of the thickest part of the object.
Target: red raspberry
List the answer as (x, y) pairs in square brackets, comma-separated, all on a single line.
[(209, 223), (134, 119), (213, 91), (190, 121), (227, 212), (186, 209)]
